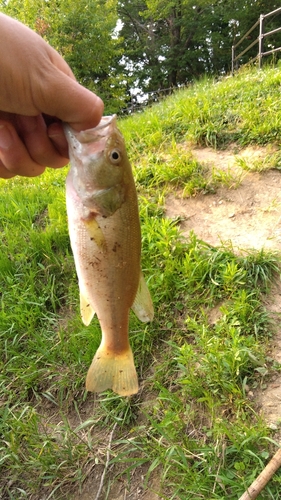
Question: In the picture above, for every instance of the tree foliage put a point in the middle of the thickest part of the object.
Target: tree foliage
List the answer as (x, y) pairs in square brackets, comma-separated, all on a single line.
[(172, 42), (159, 43)]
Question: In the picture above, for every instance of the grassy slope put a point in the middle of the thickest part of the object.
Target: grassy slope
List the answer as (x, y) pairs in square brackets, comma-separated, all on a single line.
[(192, 425)]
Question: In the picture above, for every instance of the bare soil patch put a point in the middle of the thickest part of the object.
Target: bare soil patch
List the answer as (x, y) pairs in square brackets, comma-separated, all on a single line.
[(248, 217)]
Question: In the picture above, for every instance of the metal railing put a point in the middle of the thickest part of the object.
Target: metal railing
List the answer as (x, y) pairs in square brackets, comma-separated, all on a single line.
[(146, 99), (259, 40)]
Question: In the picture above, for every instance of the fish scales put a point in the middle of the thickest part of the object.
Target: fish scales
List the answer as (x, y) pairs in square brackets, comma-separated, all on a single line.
[(105, 237), (111, 270)]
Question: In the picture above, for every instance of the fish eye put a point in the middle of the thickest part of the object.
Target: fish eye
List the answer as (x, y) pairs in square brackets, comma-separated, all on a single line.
[(115, 156)]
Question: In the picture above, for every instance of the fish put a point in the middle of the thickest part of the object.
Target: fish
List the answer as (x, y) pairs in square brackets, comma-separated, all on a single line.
[(105, 236)]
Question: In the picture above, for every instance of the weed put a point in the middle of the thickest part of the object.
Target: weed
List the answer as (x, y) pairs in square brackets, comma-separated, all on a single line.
[(270, 161), (227, 178)]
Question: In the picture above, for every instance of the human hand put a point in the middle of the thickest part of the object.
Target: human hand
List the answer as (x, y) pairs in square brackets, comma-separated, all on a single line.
[(37, 92)]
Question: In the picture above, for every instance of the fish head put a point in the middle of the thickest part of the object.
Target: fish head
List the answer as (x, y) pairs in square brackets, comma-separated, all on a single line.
[(99, 166)]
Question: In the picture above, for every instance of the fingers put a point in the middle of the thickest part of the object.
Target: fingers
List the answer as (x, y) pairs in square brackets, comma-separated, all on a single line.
[(14, 157), (56, 135), (26, 149), (34, 133)]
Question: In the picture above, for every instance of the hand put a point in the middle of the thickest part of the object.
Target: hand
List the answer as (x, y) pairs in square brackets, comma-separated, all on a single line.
[(37, 92)]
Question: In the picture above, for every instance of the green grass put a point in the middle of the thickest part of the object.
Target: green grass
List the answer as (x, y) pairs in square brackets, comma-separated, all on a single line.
[(270, 161), (245, 108), (192, 432)]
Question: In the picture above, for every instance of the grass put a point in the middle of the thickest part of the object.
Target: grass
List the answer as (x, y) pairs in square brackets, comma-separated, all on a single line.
[(192, 431), (270, 161), (245, 109)]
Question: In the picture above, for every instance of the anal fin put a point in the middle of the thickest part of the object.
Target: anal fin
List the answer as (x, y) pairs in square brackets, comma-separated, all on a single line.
[(87, 312), (143, 306)]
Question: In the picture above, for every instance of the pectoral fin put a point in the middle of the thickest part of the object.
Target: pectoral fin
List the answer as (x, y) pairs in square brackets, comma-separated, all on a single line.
[(142, 306), (86, 309), (95, 233)]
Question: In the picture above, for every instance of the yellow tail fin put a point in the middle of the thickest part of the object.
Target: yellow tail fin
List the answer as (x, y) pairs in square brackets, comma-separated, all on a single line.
[(112, 371)]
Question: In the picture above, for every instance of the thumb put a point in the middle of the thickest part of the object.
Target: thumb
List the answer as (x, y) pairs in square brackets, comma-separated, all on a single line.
[(72, 103)]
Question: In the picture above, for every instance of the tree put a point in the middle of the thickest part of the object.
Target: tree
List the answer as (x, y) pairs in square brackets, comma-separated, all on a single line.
[(160, 43), (168, 43)]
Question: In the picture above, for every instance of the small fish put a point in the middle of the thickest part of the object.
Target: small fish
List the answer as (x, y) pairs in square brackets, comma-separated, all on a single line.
[(105, 237)]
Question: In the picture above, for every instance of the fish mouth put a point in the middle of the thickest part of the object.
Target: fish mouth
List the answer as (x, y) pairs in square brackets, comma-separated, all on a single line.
[(105, 122), (96, 137), (103, 129)]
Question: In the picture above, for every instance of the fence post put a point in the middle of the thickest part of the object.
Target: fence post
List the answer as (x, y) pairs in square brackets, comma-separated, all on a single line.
[(261, 40), (232, 59)]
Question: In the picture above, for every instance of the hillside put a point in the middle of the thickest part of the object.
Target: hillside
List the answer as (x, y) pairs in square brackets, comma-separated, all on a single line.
[(207, 417)]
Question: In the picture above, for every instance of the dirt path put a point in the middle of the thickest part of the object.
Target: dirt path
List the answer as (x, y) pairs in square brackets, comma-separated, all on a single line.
[(248, 217)]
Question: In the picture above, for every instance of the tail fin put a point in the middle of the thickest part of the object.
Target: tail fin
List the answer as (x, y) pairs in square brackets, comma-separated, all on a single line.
[(112, 371)]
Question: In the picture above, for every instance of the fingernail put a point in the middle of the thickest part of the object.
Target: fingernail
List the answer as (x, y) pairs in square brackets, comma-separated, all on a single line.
[(55, 130), (6, 139)]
